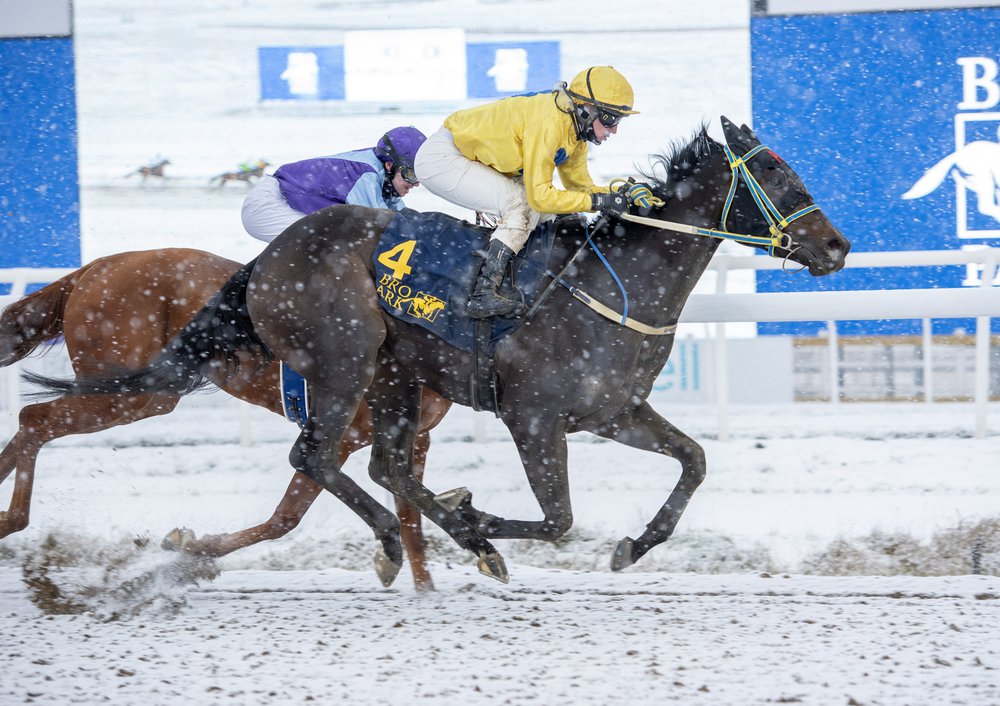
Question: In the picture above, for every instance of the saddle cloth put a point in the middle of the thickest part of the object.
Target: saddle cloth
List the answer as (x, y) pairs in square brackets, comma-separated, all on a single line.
[(425, 267), (294, 395)]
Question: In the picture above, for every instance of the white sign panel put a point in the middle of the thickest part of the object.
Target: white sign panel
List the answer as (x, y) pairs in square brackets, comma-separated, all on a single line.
[(405, 65), (37, 18)]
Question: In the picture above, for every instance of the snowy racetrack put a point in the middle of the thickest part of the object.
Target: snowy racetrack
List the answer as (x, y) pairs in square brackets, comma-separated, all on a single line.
[(280, 625), (554, 638)]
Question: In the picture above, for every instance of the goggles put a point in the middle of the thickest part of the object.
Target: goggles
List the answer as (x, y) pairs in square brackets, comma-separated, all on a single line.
[(409, 175), (608, 118)]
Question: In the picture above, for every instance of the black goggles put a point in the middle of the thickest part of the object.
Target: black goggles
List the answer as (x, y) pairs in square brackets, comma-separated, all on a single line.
[(408, 174), (608, 118)]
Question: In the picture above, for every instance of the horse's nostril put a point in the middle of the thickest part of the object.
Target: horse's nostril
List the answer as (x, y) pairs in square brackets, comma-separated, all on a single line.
[(835, 245)]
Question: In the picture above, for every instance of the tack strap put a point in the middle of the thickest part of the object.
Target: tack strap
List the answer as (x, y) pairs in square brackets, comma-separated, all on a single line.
[(609, 313), (775, 220)]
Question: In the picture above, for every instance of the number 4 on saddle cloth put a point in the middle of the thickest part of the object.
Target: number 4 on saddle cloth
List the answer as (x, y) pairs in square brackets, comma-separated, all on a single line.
[(425, 267)]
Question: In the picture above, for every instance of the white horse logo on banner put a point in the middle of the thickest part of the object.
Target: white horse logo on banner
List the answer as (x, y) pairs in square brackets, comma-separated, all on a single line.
[(975, 166)]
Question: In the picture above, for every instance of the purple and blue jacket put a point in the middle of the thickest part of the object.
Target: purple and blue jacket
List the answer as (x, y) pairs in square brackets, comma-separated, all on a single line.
[(351, 177)]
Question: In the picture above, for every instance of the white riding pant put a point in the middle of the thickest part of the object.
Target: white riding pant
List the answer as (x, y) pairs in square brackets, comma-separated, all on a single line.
[(446, 172), (265, 212)]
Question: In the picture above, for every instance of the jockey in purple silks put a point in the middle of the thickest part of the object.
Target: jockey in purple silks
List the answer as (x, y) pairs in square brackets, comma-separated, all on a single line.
[(378, 177)]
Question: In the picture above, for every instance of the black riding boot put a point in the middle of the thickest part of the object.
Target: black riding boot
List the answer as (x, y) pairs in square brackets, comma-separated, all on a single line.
[(486, 300)]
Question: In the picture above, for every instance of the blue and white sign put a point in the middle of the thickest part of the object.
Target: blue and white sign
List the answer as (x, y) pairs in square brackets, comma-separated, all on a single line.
[(499, 69), (301, 73), (893, 121), (408, 66)]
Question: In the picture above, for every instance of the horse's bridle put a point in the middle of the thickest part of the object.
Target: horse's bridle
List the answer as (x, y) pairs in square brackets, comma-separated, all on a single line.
[(775, 221)]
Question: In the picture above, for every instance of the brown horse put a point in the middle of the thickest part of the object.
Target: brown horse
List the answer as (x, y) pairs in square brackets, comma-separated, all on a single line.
[(153, 169), (246, 175), (96, 308)]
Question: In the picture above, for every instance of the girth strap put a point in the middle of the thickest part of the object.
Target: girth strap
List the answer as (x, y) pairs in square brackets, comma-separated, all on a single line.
[(626, 321)]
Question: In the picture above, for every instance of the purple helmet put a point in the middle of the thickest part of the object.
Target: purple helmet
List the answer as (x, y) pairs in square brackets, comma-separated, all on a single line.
[(399, 146)]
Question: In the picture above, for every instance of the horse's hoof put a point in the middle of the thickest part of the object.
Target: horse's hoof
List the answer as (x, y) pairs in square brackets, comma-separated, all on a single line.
[(386, 568), (493, 565), (453, 499), (622, 557), (177, 539)]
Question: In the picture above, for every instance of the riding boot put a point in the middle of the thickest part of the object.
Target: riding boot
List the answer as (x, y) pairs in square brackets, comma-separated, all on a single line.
[(486, 300)]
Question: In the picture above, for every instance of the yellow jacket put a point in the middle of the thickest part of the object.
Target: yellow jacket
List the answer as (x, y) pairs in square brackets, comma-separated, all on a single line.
[(531, 137)]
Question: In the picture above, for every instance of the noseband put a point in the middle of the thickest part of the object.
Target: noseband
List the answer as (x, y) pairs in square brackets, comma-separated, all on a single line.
[(775, 221)]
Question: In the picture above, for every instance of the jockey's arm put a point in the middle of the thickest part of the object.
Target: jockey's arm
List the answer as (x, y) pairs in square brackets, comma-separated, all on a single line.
[(541, 150)]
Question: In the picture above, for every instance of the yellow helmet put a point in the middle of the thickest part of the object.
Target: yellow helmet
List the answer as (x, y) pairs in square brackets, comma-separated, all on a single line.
[(603, 87)]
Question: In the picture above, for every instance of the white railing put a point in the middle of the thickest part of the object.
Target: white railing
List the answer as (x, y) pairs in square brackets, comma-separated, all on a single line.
[(981, 303)]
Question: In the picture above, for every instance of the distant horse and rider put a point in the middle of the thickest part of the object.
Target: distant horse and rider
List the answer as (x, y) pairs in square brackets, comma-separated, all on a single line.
[(583, 358), (155, 168), (248, 173)]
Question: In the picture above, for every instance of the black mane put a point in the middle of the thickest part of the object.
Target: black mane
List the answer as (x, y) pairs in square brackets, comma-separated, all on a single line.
[(679, 161)]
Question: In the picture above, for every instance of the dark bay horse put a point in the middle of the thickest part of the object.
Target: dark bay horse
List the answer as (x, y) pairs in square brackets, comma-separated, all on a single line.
[(310, 298), (96, 308)]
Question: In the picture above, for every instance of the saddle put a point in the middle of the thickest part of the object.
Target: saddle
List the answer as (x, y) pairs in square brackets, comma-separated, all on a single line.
[(425, 268)]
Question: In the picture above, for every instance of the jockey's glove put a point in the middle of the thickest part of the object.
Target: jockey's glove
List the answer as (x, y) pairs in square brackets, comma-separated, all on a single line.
[(611, 204)]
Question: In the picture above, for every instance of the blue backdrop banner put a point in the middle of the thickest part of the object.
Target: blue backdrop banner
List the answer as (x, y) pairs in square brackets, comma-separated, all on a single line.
[(301, 73), (891, 119), (39, 185), (498, 69)]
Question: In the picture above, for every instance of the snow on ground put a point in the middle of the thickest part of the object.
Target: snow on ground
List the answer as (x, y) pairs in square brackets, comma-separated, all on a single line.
[(730, 611), (786, 581)]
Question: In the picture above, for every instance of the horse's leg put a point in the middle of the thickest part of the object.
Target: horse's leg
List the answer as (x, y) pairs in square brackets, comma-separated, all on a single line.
[(541, 444), (642, 428), (395, 408), (315, 455), (298, 498), (410, 520), (41, 423)]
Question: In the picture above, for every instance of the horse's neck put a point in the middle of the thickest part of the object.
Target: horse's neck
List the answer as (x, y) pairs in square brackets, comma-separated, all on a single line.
[(658, 268)]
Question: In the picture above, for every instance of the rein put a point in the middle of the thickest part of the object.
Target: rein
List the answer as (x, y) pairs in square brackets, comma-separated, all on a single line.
[(622, 319), (775, 221)]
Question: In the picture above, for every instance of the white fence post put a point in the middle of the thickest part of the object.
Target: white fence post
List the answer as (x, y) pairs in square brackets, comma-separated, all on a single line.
[(928, 363), (833, 343)]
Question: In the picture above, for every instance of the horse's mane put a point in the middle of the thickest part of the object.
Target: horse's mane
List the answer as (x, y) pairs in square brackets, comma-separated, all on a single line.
[(679, 161)]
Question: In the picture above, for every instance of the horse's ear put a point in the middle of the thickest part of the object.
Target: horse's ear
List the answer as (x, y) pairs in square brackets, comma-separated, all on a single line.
[(732, 134), (745, 129)]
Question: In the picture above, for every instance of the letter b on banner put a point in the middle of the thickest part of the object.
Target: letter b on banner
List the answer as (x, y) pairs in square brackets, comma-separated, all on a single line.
[(979, 77)]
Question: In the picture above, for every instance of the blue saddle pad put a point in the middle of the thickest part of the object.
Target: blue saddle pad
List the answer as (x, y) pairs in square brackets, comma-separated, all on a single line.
[(426, 265), (294, 395)]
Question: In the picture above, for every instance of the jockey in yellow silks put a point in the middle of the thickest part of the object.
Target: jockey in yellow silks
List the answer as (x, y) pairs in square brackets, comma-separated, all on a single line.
[(499, 158)]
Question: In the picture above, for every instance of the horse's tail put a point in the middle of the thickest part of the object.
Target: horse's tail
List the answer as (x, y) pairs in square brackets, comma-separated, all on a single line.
[(209, 347), (35, 319), (931, 179)]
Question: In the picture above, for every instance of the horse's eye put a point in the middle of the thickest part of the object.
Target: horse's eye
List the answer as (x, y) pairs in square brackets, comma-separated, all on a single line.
[(775, 177)]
